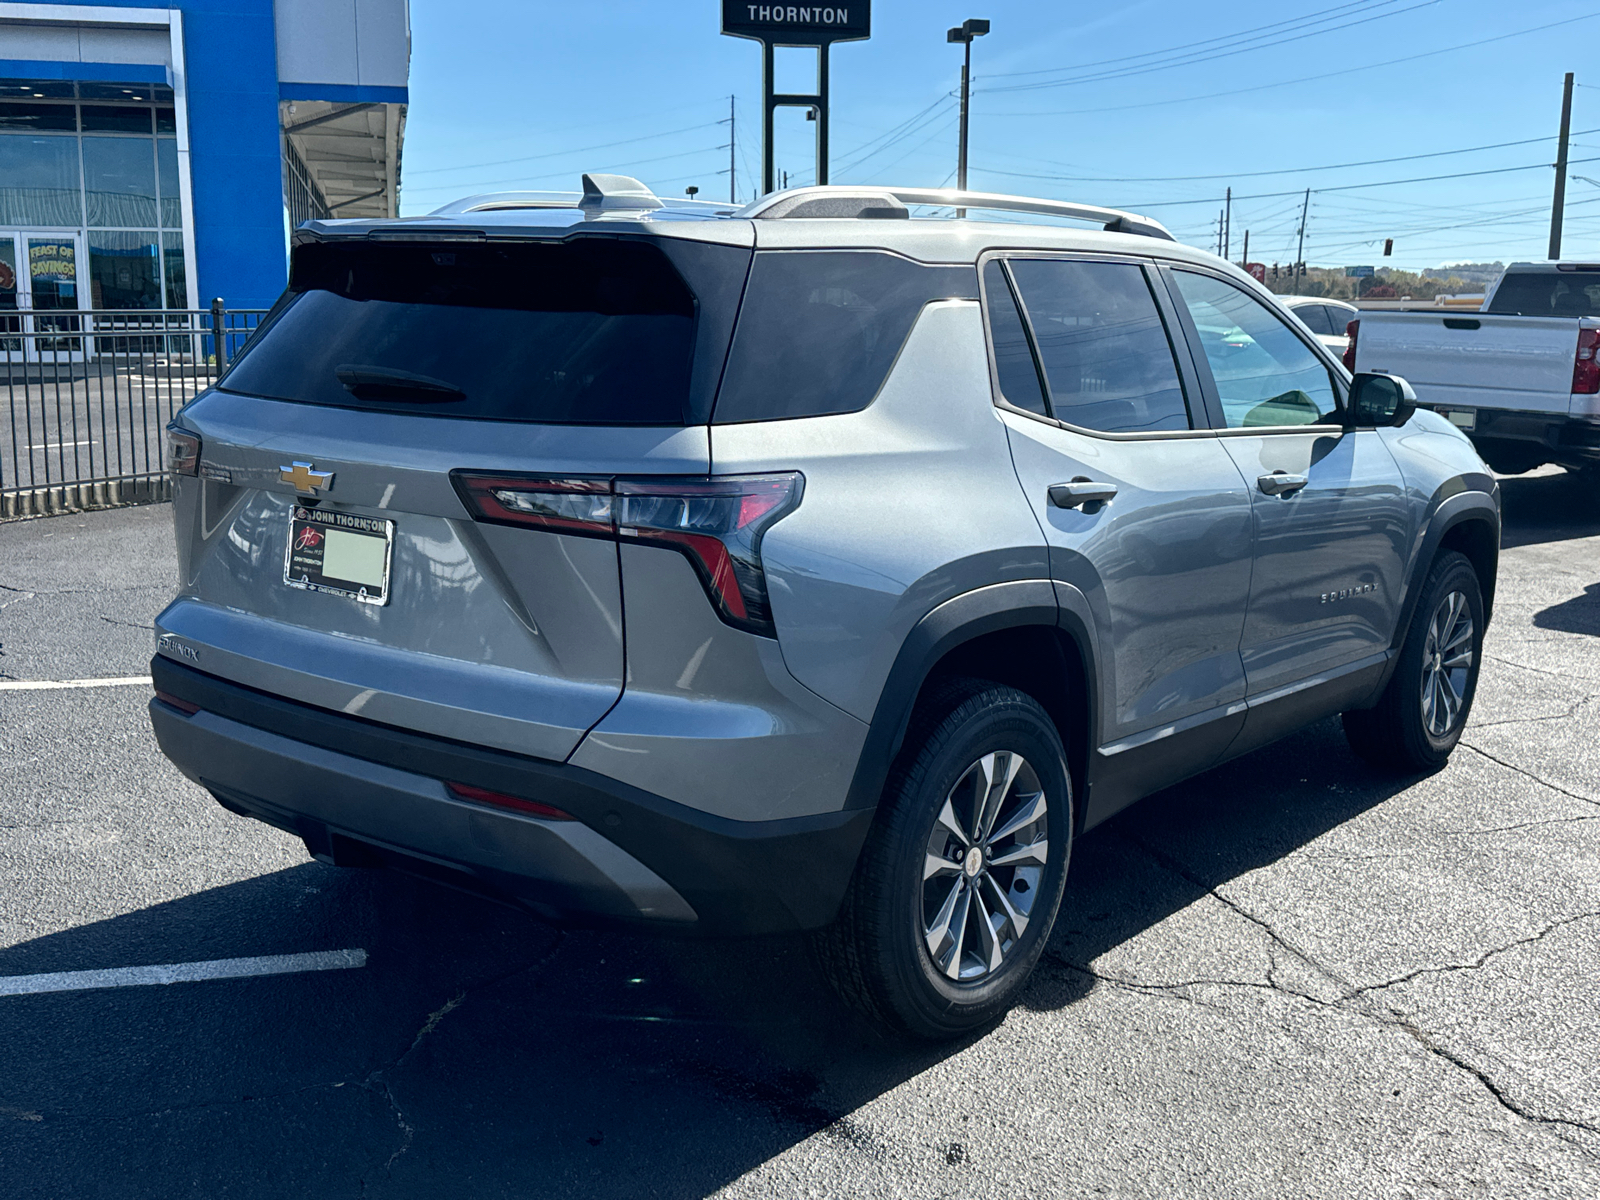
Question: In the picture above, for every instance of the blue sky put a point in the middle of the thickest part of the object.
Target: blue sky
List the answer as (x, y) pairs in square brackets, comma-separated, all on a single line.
[(1157, 106)]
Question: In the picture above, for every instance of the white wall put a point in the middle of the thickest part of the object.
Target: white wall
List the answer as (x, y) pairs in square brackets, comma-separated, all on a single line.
[(358, 42)]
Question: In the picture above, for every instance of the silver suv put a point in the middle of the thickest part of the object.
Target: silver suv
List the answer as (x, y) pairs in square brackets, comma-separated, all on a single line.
[(801, 567)]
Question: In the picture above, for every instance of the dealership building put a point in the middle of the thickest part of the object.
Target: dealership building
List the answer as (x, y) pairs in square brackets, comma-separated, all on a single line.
[(157, 155)]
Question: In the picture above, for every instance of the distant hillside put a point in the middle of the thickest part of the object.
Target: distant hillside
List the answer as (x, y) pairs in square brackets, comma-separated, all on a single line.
[(1387, 283)]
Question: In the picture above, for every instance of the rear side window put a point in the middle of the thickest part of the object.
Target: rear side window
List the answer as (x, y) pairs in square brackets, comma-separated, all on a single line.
[(1013, 358), (1340, 318), (1314, 317), (590, 332), (1101, 341), (820, 329), (1548, 294)]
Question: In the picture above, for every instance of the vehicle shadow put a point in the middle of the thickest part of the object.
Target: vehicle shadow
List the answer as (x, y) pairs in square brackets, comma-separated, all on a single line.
[(480, 1052), (1550, 506), (1580, 614)]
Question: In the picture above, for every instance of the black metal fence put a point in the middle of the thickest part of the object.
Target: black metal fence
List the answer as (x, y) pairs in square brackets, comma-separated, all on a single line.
[(88, 396)]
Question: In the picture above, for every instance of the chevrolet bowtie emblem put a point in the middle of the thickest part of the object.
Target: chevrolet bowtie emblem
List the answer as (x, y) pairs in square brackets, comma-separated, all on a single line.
[(306, 480)]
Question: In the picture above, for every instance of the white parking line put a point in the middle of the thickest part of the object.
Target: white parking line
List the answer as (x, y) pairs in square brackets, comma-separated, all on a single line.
[(220, 968), (43, 685)]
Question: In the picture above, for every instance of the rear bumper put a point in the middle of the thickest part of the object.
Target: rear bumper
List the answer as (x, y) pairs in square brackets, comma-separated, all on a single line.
[(363, 793), (1551, 437)]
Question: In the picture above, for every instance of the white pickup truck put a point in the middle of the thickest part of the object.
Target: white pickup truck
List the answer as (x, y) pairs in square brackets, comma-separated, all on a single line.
[(1521, 377)]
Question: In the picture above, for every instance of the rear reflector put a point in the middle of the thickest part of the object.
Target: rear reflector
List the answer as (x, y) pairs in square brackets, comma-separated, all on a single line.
[(533, 808), (181, 705)]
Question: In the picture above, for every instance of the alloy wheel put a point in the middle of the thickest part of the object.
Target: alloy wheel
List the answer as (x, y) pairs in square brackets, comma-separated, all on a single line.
[(1446, 664), (986, 855)]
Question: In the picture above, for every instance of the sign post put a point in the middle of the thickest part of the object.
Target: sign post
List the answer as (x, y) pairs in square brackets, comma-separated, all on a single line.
[(796, 25)]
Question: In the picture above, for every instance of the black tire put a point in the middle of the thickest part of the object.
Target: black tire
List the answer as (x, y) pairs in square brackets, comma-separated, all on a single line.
[(877, 953), (1410, 729)]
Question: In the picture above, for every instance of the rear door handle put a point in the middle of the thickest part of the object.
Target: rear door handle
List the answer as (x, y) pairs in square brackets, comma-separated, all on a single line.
[(1080, 492), (1281, 483)]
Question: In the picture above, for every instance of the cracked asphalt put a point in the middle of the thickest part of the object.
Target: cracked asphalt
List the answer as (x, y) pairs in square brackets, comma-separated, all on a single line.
[(1291, 976)]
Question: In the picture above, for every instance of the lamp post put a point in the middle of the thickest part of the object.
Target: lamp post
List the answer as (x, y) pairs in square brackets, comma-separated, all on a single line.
[(964, 33)]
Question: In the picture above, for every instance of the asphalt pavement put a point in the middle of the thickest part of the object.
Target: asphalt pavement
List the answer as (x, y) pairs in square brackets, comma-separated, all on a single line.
[(1289, 977)]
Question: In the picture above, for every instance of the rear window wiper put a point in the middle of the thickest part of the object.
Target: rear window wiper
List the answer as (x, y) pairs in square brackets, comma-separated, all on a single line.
[(386, 383)]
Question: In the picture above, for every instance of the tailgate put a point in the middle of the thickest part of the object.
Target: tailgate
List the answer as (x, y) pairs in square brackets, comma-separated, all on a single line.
[(503, 637), (1521, 364)]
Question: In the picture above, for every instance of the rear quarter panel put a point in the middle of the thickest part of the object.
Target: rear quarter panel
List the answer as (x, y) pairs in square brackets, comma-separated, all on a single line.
[(907, 503)]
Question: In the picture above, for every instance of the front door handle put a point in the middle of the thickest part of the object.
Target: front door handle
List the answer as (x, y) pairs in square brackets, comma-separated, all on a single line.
[(1081, 492), (1281, 483)]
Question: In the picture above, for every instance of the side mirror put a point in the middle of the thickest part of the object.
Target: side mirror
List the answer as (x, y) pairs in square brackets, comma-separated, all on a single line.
[(1379, 400)]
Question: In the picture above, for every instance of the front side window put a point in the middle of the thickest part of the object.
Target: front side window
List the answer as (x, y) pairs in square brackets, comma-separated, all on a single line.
[(1265, 374), (1107, 361)]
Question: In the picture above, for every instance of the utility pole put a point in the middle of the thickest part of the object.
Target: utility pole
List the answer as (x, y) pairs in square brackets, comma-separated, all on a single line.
[(1300, 254), (1245, 261), (733, 143), (1559, 204), (1227, 226), (1219, 232), (964, 33)]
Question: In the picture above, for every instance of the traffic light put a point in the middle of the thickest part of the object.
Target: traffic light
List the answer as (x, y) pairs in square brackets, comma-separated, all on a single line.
[(1274, 270), (1388, 247)]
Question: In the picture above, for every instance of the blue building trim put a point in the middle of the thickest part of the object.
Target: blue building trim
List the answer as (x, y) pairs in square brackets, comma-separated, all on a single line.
[(28, 68), (343, 93)]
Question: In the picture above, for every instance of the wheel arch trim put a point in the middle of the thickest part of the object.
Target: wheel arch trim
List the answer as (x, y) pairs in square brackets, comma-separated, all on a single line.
[(944, 629), (1462, 500)]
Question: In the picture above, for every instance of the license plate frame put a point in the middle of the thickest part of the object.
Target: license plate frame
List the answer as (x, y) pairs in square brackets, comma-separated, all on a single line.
[(306, 548), (1464, 419)]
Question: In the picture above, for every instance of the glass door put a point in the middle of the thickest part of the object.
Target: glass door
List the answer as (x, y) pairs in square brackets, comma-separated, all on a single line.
[(10, 300), (52, 292)]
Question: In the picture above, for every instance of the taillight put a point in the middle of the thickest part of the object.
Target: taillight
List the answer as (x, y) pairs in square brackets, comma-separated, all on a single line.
[(183, 451), (1350, 332), (716, 523), (533, 808), (1586, 367), (563, 505)]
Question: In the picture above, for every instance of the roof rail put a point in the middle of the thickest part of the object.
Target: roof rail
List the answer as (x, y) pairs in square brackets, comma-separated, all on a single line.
[(1113, 219), (487, 201)]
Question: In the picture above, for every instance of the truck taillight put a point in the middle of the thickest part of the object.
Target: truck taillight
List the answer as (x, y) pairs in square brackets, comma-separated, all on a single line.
[(1586, 367), (716, 523), (183, 451), (1350, 332)]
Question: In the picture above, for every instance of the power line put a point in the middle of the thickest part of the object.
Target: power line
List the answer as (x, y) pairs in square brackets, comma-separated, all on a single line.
[(452, 187), (501, 162), (1371, 162), (1349, 187), (1303, 79), (1227, 37), (1194, 58)]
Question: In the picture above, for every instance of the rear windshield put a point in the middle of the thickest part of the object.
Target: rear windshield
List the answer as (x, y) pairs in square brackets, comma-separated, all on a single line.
[(820, 329), (1548, 294), (596, 331)]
